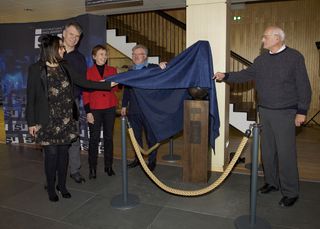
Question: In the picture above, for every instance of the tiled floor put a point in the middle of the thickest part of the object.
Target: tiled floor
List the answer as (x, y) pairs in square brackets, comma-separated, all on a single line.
[(24, 203)]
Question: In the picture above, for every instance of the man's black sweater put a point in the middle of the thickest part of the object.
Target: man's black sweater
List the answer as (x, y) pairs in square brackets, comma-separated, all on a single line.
[(281, 80)]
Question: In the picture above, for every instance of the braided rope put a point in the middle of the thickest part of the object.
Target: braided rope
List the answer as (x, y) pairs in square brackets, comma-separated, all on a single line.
[(188, 192), (147, 152)]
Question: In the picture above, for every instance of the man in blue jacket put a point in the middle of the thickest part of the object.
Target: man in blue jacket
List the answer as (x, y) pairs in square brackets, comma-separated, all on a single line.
[(131, 107)]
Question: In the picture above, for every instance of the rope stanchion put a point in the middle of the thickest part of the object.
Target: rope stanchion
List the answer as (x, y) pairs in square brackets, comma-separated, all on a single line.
[(189, 192), (170, 157), (252, 221), (124, 201)]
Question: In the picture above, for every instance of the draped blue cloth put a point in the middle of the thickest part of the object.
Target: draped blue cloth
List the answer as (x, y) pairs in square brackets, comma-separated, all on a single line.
[(161, 93)]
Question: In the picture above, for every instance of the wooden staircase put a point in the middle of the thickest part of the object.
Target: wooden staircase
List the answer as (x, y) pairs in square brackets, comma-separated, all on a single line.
[(242, 95), (163, 35)]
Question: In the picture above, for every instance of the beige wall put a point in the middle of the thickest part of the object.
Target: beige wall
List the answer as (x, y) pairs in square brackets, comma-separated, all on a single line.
[(301, 23)]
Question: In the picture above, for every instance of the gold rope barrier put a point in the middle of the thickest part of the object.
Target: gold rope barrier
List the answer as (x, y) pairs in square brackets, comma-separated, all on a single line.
[(144, 152), (188, 192)]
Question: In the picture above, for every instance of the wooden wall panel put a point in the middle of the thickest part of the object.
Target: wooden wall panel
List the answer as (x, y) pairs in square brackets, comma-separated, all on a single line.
[(301, 22)]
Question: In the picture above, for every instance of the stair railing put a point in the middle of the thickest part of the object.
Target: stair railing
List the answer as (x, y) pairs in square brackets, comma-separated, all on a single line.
[(164, 35), (242, 95)]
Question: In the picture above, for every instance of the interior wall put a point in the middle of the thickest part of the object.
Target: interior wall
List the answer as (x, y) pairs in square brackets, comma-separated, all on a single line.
[(301, 22)]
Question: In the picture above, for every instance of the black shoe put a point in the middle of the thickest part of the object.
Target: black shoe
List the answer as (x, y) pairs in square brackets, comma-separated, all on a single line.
[(109, 171), (64, 194), (93, 174), (77, 177), (53, 197), (287, 201), (267, 188), (152, 165), (134, 163)]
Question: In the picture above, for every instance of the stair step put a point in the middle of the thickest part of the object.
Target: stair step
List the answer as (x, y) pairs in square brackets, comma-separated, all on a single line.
[(133, 35)]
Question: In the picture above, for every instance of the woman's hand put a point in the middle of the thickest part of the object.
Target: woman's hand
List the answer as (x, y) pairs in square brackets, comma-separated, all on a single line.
[(90, 118), (33, 130)]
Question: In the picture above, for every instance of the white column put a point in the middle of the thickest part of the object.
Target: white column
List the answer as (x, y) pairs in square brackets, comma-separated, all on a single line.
[(207, 20)]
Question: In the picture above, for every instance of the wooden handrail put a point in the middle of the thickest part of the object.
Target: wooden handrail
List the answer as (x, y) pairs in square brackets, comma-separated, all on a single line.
[(157, 30), (171, 19), (242, 95)]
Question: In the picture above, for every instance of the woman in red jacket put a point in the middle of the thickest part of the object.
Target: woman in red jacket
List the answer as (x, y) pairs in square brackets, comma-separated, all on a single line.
[(100, 107)]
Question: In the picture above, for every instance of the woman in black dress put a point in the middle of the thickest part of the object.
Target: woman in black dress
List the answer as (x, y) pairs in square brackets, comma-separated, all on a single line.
[(51, 111)]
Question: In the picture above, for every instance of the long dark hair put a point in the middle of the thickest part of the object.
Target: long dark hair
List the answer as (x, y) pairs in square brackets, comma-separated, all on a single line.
[(49, 49)]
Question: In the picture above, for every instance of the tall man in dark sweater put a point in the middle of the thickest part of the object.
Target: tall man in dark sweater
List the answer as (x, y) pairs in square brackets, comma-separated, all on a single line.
[(71, 36), (284, 96)]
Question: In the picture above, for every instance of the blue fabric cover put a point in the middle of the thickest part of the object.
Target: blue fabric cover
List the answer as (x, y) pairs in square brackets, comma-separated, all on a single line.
[(161, 93)]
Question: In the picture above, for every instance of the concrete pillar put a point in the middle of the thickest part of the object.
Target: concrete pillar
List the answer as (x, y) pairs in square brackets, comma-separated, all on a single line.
[(207, 20)]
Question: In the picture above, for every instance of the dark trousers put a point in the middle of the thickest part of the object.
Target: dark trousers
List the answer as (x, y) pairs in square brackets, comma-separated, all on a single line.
[(278, 150), (138, 124), (104, 118), (56, 162)]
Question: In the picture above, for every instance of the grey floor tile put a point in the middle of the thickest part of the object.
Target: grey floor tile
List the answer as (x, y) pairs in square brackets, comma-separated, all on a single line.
[(98, 185), (310, 191), (304, 214), (11, 163), (21, 220), (221, 202), (21, 152), (98, 213), (174, 218), (10, 187), (35, 201), (30, 171), (23, 201)]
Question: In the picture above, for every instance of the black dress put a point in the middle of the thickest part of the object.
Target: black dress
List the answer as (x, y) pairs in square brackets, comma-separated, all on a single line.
[(61, 128)]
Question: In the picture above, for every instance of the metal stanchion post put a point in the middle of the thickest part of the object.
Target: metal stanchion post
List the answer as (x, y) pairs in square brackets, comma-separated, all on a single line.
[(170, 157), (252, 221), (124, 201)]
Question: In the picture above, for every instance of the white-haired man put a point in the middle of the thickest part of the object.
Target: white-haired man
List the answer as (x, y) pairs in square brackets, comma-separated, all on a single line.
[(284, 96)]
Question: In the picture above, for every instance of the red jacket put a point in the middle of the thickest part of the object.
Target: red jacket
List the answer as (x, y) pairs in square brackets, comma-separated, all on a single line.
[(97, 100)]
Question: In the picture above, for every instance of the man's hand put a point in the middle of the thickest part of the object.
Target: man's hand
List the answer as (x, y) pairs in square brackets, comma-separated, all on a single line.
[(163, 65), (90, 118), (218, 76), (300, 119), (32, 130), (123, 111)]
